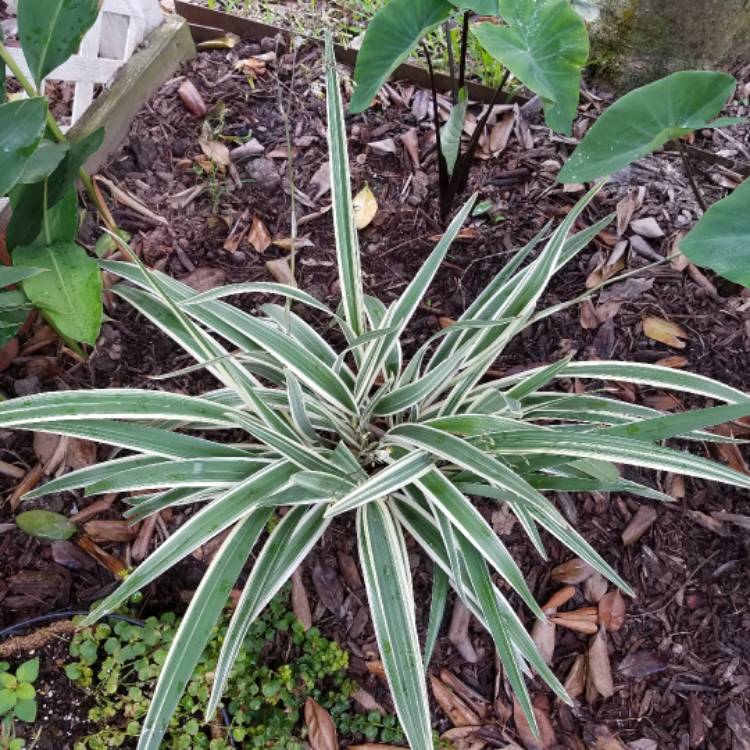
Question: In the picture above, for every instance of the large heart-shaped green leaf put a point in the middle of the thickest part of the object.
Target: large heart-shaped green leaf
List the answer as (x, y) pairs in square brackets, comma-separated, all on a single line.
[(391, 36), (69, 292), (545, 46), (645, 119), (50, 31), (27, 201), (44, 524), (21, 129), (480, 7), (721, 240)]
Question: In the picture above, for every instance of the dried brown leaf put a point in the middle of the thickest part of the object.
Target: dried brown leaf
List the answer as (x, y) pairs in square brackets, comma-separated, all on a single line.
[(300, 600), (110, 531), (280, 270), (455, 708), (192, 99), (599, 668), (665, 332), (573, 571), (595, 587), (543, 635), (259, 236), (559, 599), (320, 727), (639, 525), (612, 610), (410, 140), (365, 207), (575, 682)]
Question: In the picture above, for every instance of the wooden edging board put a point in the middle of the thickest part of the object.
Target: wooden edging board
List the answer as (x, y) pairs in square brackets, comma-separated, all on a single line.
[(208, 24)]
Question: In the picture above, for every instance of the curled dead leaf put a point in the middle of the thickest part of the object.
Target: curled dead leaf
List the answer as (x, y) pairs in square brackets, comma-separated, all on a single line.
[(259, 236), (281, 271), (543, 635), (665, 332), (455, 708), (595, 587), (575, 682)]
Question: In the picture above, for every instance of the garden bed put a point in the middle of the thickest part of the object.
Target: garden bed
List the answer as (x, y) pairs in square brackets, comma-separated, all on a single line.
[(680, 660)]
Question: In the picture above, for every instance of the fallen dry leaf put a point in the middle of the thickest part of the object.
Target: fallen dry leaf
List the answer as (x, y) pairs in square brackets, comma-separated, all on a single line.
[(455, 708), (113, 564), (612, 610), (595, 587), (458, 632), (573, 571), (321, 729), (410, 140), (665, 332), (321, 180), (599, 668), (259, 236), (546, 738), (300, 600), (228, 41), (543, 635), (286, 244), (647, 228), (192, 99), (280, 270), (386, 146), (559, 599), (575, 682), (733, 456), (110, 531), (501, 132), (642, 664), (367, 702), (251, 67), (205, 278), (216, 151), (639, 524), (376, 667), (676, 362), (365, 207), (481, 706), (627, 207)]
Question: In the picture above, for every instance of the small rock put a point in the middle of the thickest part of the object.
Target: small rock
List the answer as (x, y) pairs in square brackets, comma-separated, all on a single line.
[(27, 386), (264, 174)]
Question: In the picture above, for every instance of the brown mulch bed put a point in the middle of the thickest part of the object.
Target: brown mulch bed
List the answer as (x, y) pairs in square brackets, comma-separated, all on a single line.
[(681, 662)]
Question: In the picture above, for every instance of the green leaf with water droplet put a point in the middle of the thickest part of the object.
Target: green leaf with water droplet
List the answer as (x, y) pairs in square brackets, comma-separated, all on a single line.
[(44, 524), (50, 31)]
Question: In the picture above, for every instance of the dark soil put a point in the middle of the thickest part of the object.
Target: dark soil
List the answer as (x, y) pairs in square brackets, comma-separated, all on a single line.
[(681, 662)]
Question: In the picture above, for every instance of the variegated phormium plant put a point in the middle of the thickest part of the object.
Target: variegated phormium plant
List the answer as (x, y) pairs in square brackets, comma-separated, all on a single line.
[(404, 446)]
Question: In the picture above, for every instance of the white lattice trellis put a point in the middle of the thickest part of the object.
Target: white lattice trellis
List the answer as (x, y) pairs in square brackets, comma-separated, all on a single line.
[(121, 26)]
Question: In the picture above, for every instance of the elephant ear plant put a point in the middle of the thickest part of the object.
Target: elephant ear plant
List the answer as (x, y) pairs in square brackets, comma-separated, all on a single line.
[(543, 43), (402, 447), (38, 171)]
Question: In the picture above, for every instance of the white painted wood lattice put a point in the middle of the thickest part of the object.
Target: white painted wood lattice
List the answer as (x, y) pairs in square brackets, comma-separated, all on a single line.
[(121, 26)]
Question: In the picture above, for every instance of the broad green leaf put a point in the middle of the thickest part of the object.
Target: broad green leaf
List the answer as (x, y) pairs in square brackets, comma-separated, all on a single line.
[(62, 219), (645, 119), (50, 31), (391, 35), (26, 710), (27, 201), (385, 568), (450, 135), (21, 128), (344, 223), (43, 162), (480, 7), (69, 293), (44, 524), (545, 45), (195, 629), (721, 240), (28, 671)]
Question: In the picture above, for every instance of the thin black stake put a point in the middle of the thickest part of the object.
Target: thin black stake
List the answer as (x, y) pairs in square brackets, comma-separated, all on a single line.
[(691, 175), (463, 163), (444, 177), (464, 50), (451, 62)]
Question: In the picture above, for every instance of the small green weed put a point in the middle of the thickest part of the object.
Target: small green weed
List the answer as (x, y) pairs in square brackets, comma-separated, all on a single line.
[(278, 668), (17, 700)]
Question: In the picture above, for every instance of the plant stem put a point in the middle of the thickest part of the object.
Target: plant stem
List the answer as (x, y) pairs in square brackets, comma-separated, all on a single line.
[(45, 211), (443, 176), (691, 175), (54, 128), (464, 50), (451, 62)]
